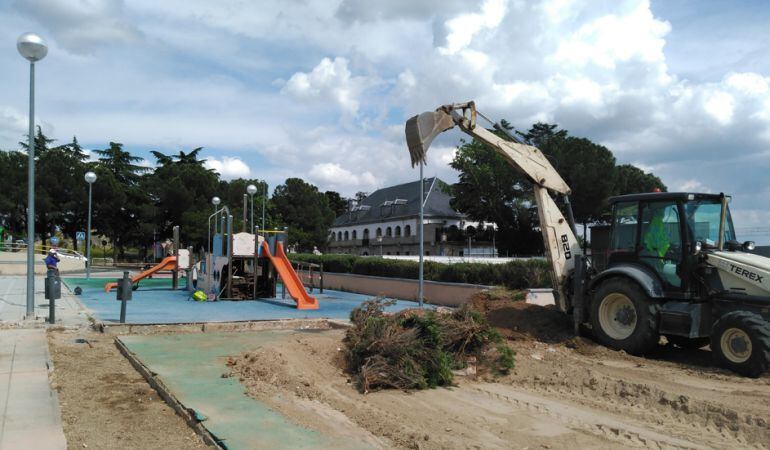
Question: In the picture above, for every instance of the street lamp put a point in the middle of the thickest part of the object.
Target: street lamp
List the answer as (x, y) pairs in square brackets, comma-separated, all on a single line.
[(90, 178), (215, 201), (264, 199), (251, 190), (33, 49), (379, 241)]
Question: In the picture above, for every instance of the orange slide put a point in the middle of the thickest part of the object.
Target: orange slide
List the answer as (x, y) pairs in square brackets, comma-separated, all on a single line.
[(289, 277), (168, 263)]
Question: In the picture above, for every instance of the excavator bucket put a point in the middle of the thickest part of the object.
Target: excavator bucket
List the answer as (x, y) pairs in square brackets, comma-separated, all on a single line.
[(421, 130)]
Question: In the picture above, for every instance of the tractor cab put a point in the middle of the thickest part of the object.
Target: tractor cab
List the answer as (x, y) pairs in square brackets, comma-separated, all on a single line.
[(661, 233)]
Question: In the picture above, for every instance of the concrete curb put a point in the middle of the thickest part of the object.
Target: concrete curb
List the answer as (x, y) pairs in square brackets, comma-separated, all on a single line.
[(186, 414)]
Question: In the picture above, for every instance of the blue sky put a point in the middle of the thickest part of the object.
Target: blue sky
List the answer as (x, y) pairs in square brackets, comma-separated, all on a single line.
[(320, 90)]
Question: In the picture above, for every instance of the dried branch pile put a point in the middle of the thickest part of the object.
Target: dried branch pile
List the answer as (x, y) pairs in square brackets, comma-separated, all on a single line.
[(418, 349)]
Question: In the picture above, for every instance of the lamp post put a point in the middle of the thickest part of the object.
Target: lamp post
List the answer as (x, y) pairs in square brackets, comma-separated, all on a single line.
[(90, 178), (215, 201), (264, 199), (33, 49), (251, 190), (422, 234), (379, 241)]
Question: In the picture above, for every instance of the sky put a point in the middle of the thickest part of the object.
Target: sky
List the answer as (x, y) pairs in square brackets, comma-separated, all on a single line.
[(320, 90)]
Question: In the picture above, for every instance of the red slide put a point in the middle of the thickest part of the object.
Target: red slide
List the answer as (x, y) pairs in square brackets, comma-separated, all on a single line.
[(168, 263), (289, 277)]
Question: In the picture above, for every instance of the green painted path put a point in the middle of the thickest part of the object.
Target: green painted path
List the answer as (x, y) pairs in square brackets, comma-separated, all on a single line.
[(191, 366)]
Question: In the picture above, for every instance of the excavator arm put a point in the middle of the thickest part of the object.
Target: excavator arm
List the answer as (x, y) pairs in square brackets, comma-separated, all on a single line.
[(561, 245)]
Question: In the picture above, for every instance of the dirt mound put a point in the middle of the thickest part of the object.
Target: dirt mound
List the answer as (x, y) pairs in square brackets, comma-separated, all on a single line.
[(516, 320)]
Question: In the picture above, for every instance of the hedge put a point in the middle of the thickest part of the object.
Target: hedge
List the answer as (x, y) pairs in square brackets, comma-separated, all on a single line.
[(520, 274)]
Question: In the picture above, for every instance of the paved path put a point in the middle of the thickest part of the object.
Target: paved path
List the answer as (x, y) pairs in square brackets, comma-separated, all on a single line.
[(13, 304), (29, 408)]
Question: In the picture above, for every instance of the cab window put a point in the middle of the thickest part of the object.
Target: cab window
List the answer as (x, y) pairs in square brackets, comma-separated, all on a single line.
[(624, 226)]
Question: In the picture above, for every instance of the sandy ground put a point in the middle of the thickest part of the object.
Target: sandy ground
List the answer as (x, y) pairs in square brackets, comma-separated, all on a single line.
[(105, 403), (565, 392)]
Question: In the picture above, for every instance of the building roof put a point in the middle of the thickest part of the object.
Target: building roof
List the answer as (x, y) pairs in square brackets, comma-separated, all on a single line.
[(401, 201)]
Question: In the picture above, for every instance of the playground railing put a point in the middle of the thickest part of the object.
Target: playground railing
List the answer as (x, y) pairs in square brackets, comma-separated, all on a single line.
[(41, 250), (311, 274)]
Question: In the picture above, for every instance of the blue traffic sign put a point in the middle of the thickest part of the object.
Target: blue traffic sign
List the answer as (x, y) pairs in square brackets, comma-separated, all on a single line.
[(80, 235)]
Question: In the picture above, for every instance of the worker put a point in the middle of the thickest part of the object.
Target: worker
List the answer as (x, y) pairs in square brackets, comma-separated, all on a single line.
[(52, 260)]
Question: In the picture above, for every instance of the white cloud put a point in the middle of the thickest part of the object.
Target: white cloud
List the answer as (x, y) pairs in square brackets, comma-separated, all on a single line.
[(83, 26), (333, 174), (13, 127), (229, 167), (615, 38), (329, 81), (462, 28), (720, 105), (694, 185), (599, 69)]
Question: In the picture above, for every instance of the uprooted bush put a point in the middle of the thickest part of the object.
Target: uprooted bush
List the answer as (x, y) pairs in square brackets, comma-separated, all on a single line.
[(418, 349)]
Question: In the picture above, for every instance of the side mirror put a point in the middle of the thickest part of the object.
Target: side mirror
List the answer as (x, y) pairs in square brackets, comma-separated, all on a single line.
[(697, 247), (748, 246)]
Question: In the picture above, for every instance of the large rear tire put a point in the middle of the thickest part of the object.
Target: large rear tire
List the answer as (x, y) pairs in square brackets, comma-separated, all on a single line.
[(624, 318), (740, 341)]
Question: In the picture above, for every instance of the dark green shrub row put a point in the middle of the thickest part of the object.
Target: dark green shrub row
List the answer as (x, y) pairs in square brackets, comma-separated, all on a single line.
[(523, 274)]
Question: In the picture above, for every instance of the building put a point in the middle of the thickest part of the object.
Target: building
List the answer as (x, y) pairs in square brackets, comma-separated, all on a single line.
[(386, 223)]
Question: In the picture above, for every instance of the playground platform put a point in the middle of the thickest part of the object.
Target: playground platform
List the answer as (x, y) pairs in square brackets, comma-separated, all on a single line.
[(155, 303)]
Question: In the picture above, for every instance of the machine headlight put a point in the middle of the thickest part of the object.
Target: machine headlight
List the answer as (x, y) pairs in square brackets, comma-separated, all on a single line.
[(749, 246)]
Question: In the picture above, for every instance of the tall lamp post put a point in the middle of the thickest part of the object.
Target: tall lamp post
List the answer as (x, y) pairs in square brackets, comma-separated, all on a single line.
[(33, 49), (422, 235), (264, 199), (215, 201), (90, 178), (251, 190)]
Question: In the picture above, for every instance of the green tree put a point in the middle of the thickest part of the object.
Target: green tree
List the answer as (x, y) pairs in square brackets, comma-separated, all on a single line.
[(231, 192), (338, 204), (119, 200), (13, 186), (306, 212), (489, 189), (587, 167), (180, 190), (632, 180), (49, 171)]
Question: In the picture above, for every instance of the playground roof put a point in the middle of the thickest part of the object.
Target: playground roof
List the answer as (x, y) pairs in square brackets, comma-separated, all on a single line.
[(401, 201)]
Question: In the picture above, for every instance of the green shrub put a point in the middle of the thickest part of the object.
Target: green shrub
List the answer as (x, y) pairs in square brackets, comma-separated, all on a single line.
[(520, 274)]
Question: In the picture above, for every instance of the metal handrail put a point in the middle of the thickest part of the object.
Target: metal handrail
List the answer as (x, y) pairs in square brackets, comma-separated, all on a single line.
[(42, 250)]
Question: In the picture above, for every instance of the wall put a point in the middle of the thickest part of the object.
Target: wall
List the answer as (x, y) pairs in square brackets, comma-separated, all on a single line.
[(437, 293)]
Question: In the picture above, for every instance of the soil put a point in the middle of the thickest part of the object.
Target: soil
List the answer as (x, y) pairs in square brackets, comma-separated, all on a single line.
[(105, 403), (565, 392)]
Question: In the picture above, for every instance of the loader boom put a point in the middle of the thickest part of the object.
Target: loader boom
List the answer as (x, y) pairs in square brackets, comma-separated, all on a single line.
[(560, 242)]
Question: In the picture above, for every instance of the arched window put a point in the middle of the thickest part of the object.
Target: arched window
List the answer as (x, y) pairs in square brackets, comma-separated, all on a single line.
[(366, 233), (389, 232), (333, 236), (354, 235), (339, 235), (407, 231), (346, 235), (398, 231), (379, 232)]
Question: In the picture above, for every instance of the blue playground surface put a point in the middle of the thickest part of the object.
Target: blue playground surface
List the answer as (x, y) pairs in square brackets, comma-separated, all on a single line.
[(157, 303)]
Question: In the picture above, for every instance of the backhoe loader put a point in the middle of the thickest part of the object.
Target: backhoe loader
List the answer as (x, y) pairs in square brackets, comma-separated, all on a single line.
[(673, 266)]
